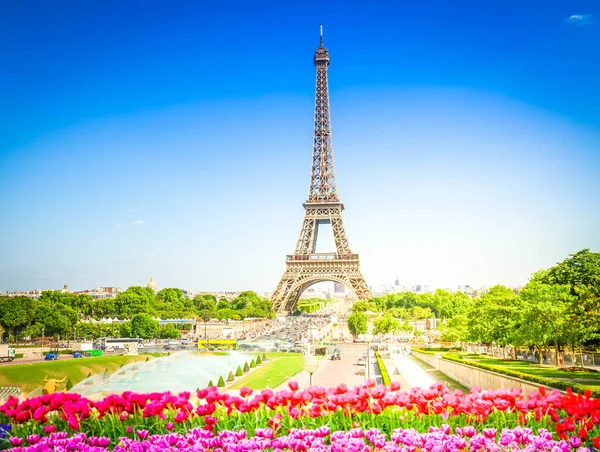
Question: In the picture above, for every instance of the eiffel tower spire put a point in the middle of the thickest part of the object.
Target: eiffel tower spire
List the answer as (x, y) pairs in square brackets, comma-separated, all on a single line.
[(306, 267), (322, 178)]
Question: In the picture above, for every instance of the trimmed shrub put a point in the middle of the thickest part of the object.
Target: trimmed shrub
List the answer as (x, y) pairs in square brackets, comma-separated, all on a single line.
[(258, 360), (246, 367), (210, 383), (69, 385), (230, 377), (264, 358), (221, 383), (252, 364), (550, 382), (385, 377), (238, 372)]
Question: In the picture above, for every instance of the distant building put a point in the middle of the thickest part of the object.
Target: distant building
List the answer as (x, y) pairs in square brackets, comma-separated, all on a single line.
[(151, 284)]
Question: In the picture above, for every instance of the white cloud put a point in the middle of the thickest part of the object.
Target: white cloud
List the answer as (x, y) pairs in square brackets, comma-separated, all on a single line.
[(118, 225), (581, 19), (138, 222)]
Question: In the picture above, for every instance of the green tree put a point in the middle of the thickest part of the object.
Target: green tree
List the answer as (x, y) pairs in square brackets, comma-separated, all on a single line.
[(252, 364), (134, 300), (169, 332), (239, 372), (230, 377), (144, 326), (246, 367), (357, 323), (364, 305), (579, 269), (455, 329), (493, 317), (221, 382), (16, 314), (385, 324), (543, 314)]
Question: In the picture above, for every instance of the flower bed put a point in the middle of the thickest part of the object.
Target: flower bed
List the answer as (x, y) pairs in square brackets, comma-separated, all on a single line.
[(367, 417)]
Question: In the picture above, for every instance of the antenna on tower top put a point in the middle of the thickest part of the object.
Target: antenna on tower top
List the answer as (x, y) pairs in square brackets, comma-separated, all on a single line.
[(321, 29)]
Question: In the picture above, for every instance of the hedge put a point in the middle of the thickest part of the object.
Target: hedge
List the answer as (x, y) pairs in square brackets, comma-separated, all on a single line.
[(385, 377), (551, 382)]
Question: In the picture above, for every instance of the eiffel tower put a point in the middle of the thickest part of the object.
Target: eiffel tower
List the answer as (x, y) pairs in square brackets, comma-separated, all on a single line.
[(306, 267)]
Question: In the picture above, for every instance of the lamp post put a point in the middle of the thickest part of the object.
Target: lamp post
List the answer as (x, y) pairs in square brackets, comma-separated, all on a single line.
[(310, 365)]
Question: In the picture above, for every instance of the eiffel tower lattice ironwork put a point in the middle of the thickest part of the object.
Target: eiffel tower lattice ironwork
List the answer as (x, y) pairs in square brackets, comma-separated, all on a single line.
[(306, 267)]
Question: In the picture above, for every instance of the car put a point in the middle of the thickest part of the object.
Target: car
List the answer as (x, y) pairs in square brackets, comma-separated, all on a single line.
[(52, 356), (77, 355)]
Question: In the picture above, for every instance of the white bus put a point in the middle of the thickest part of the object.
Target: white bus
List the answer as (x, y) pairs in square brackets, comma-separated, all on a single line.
[(111, 343)]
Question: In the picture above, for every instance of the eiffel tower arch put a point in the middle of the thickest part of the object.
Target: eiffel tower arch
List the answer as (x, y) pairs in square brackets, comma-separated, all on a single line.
[(307, 267)]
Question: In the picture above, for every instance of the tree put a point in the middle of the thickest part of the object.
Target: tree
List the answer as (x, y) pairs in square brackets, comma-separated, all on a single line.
[(385, 324), (579, 269), (246, 367), (134, 300), (364, 305), (239, 372), (417, 313), (357, 323), (543, 314), (221, 382), (144, 326), (16, 314), (230, 377), (493, 317), (169, 332), (455, 329)]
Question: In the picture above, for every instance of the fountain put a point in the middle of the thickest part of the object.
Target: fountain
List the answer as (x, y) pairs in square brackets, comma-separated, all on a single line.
[(182, 371)]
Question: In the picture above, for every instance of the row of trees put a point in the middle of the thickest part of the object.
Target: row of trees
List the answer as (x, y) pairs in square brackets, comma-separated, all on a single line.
[(63, 314), (559, 307)]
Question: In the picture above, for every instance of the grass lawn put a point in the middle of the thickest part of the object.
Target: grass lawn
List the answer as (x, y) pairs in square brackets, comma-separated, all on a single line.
[(584, 378), (279, 368), (30, 376)]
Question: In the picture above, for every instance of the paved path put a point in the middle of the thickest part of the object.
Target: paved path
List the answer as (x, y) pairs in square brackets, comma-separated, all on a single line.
[(330, 374)]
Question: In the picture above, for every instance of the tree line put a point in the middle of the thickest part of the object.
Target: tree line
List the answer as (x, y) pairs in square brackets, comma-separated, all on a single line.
[(64, 314), (559, 307)]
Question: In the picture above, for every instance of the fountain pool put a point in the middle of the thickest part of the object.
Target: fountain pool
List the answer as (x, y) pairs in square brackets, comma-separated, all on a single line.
[(182, 371)]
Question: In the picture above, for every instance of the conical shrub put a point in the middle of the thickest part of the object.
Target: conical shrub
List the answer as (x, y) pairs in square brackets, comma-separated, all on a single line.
[(210, 383), (264, 357), (69, 385), (89, 375), (238, 372), (221, 383), (258, 360), (230, 377), (252, 364), (246, 367), (147, 359)]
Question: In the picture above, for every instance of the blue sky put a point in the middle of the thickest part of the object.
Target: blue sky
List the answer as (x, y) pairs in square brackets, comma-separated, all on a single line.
[(174, 139)]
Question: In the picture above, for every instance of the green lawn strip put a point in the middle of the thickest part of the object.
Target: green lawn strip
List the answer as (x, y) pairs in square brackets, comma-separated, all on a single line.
[(30, 376), (546, 375), (272, 373)]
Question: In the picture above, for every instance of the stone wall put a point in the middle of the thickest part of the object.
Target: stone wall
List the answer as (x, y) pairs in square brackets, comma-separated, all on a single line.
[(470, 376)]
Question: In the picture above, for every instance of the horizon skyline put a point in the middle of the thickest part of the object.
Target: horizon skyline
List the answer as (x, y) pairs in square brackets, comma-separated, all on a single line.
[(466, 143)]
